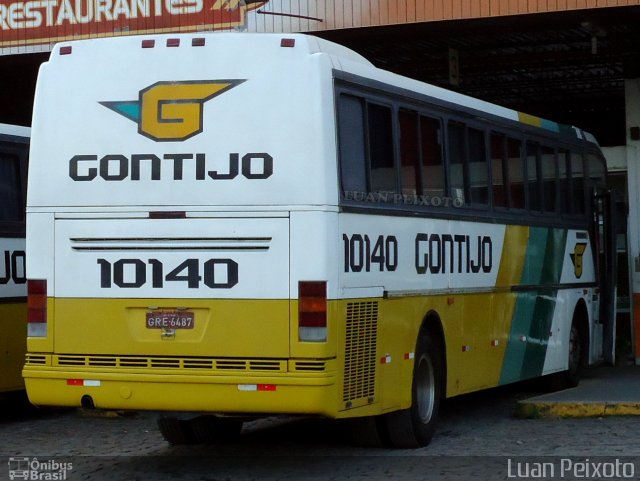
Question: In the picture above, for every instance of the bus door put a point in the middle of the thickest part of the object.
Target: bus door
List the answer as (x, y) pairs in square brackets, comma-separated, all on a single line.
[(604, 220)]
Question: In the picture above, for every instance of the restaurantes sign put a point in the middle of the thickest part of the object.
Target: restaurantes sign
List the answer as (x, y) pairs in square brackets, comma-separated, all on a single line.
[(49, 21)]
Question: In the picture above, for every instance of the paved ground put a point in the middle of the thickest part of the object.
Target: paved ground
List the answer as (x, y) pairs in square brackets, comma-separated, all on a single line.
[(477, 438), (605, 391)]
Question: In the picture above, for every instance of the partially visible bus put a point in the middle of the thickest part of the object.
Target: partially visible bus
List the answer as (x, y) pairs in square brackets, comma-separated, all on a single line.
[(229, 225), (14, 151)]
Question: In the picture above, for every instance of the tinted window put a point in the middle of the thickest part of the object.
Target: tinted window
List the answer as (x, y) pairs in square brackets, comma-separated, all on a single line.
[(11, 205), (597, 170), (383, 173), (353, 163), (498, 170), (549, 184), (478, 181), (565, 182), (409, 153), (577, 184), (456, 159), (532, 177), (515, 173), (432, 166)]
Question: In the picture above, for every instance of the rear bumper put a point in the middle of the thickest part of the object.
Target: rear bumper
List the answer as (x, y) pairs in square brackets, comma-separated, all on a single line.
[(167, 390)]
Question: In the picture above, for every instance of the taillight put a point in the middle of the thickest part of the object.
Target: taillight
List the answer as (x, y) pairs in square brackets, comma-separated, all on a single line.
[(37, 308), (312, 310)]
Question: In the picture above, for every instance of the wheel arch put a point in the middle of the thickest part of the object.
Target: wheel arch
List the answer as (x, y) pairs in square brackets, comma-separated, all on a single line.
[(431, 326), (581, 319)]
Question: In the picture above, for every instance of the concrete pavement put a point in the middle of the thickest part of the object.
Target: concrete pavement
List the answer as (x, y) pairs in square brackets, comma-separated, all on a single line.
[(603, 391)]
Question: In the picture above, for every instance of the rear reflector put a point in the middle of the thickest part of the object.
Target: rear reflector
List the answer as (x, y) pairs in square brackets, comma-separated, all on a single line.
[(288, 42), (66, 50), (173, 42), (312, 311), (148, 43), (84, 382), (37, 308), (257, 387)]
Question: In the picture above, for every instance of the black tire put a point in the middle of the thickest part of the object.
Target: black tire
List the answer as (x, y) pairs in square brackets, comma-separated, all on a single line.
[(576, 356), (176, 431), (209, 429), (414, 427), (366, 432)]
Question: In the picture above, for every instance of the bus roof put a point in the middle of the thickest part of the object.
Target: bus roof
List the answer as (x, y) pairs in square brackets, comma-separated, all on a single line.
[(343, 59), (14, 130)]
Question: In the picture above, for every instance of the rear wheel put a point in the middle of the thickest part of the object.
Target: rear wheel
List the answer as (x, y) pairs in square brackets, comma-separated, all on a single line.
[(209, 429), (176, 431), (576, 357), (414, 427)]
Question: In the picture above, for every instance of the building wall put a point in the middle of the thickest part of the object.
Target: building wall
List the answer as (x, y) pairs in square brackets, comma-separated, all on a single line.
[(28, 26)]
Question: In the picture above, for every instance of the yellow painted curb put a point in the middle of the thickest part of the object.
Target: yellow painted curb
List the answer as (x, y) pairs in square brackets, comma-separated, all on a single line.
[(535, 410)]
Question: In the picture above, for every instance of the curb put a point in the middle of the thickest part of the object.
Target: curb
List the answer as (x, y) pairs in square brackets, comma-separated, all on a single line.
[(537, 410)]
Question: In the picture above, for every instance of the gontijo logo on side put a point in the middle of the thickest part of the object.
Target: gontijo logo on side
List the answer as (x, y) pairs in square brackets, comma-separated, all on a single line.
[(171, 111)]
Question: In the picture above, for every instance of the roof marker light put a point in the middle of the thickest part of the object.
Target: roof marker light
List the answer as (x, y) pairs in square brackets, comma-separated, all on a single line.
[(170, 214), (149, 43), (198, 42), (288, 42), (173, 42), (66, 50)]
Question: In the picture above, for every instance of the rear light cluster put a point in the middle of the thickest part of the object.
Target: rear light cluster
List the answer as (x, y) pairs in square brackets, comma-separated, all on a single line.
[(312, 311), (37, 308)]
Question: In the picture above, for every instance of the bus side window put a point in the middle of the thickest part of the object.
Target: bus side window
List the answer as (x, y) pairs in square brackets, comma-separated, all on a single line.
[(353, 162), (515, 172), (456, 141), (549, 178), (478, 178), (577, 184), (597, 169), (565, 182), (409, 153), (11, 202), (533, 182), (498, 170), (432, 165), (380, 136)]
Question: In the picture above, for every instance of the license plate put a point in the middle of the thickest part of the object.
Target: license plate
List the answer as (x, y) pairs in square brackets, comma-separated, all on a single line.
[(170, 320)]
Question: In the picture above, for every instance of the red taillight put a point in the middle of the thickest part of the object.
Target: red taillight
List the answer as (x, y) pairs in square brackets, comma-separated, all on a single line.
[(198, 42), (148, 43), (312, 310), (173, 42), (37, 308), (66, 50), (288, 42)]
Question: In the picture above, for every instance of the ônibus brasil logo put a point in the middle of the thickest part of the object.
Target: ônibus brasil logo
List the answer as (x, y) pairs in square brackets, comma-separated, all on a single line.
[(171, 111)]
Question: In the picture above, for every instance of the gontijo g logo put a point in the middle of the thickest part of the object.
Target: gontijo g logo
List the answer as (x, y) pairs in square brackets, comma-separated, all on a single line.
[(171, 111)]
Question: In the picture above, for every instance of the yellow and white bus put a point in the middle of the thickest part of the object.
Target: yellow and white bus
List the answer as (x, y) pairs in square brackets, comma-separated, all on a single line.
[(14, 150), (222, 225)]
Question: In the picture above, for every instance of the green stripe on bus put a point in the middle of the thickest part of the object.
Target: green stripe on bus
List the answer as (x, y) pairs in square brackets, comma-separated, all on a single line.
[(533, 313)]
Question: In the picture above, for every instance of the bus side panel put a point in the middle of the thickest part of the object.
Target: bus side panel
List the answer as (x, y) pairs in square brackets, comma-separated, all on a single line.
[(13, 313), (497, 290), (13, 344)]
